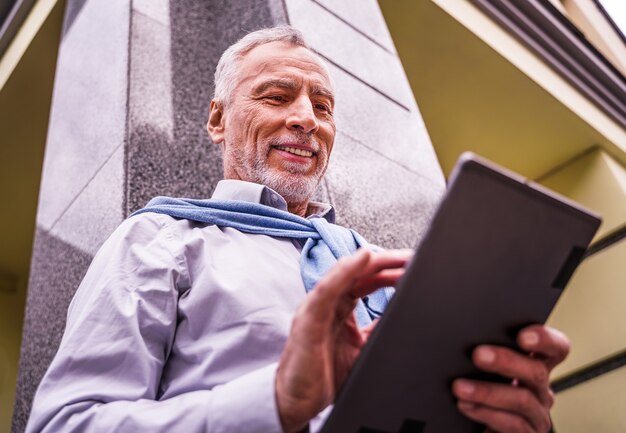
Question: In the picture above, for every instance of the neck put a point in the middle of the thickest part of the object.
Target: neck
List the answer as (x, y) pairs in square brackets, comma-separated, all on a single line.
[(298, 208)]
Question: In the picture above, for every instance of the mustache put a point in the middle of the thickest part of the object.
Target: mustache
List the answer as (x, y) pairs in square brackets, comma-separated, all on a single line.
[(296, 137)]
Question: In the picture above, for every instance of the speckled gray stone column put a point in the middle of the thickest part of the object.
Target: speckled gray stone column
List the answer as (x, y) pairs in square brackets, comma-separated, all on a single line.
[(383, 178), (132, 91)]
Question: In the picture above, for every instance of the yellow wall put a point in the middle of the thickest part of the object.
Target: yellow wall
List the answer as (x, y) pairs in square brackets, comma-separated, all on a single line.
[(595, 406), (26, 80), (11, 317), (597, 181), (592, 308)]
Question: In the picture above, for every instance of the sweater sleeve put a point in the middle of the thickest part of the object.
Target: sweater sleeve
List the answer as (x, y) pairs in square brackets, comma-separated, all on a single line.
[(120, 329)]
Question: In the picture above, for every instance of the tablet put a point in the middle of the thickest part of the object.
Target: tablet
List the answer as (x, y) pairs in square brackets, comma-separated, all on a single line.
[(496, 257)]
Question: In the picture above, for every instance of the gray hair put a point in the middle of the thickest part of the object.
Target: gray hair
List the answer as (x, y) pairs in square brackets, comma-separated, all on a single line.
[(226, 71)]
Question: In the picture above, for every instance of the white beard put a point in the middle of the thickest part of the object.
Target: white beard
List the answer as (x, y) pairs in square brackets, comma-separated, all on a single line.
[(291, 181), (293, 186)]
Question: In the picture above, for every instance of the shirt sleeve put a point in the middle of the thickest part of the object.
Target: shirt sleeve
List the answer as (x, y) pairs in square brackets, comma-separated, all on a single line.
[(120, 328)]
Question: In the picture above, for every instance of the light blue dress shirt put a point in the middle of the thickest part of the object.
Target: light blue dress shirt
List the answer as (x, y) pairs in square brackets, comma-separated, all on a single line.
[(177, 327)]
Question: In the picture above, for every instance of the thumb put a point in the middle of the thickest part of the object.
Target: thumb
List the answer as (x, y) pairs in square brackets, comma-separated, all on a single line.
[(367, 330)]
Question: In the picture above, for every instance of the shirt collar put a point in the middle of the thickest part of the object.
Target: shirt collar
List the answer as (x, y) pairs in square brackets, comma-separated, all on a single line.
[(230, 189)]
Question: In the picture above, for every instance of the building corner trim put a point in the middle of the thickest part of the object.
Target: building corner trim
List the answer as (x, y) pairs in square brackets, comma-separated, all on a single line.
[(544, 30)]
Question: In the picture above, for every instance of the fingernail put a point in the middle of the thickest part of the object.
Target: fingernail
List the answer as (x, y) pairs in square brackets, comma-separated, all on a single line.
[(530, 338), (485, 355), (465, 387)]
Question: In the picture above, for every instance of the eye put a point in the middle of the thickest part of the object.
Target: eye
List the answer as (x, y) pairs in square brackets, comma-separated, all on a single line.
[(323, 107), (276, 98)]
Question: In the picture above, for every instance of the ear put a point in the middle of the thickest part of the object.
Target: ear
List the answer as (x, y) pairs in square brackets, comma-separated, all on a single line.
[(215, 125)]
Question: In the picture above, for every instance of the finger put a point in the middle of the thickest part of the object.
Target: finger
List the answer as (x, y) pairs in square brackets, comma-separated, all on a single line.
[(340, 283), (385, 278), (496, 420), (389, 259), (367, 330), (343, 274), (384, 269), (550, 344), (530, 372), (517, 400), (336, 285)]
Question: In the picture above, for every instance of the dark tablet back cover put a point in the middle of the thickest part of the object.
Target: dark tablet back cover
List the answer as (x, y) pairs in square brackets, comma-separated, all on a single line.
[(496, 257)]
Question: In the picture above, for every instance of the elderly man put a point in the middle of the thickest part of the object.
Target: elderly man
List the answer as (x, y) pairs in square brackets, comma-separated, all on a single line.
[(195, 317)]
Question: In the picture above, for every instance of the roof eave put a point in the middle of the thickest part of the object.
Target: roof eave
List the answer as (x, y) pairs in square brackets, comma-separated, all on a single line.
[(544, 30)]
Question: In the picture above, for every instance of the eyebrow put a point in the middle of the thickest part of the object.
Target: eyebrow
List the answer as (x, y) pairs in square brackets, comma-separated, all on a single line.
[(288, 84), (280, 83), (319, 90)]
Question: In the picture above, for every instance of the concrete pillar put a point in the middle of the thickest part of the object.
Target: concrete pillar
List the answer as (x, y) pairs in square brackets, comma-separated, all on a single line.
[(131, 98)]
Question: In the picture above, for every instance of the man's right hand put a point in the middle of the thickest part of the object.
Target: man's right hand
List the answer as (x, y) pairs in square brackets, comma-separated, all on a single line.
[(325, 340)]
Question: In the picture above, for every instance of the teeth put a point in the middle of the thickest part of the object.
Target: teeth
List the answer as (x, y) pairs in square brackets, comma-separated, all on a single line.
[(299, 152)]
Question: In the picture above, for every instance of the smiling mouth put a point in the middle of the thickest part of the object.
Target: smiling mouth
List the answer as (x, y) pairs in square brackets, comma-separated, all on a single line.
[(296, 151)]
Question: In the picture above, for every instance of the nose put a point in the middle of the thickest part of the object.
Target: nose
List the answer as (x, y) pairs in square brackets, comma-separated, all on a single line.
[(301, 115)]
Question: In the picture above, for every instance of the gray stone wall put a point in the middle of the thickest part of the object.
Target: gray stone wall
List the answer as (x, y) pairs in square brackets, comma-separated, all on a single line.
[(384, 178), (132, 91)]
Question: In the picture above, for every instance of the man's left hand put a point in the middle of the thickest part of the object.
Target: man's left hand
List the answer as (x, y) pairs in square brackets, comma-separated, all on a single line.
[(524, 404)]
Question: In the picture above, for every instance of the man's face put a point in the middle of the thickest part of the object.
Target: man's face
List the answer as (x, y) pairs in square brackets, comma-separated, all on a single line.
[(278, 127)]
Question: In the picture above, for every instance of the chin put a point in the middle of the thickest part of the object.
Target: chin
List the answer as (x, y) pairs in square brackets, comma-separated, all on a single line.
[(294, 188)]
